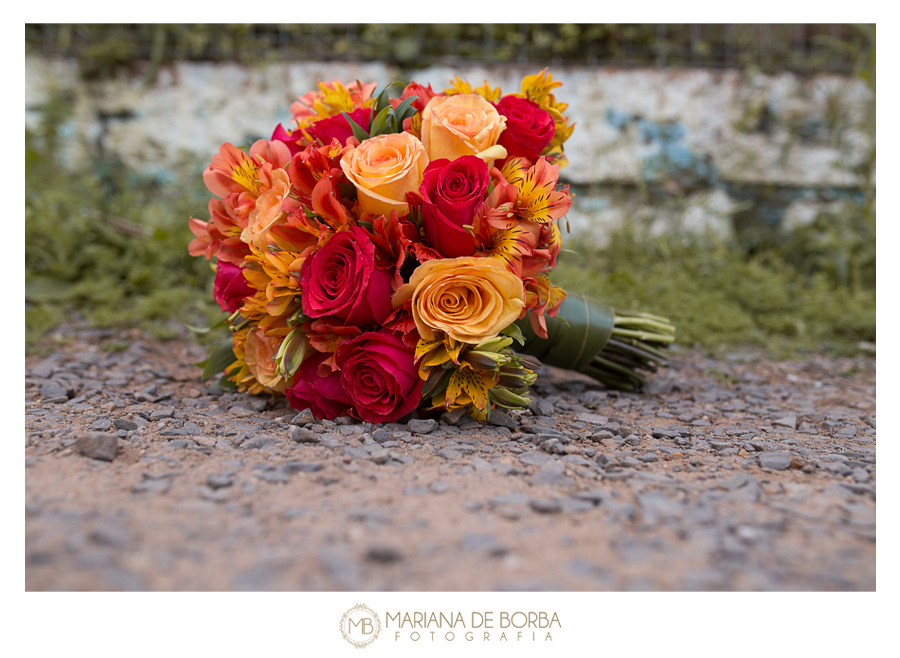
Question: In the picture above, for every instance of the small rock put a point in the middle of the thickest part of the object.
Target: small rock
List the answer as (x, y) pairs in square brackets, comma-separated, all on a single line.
[(124, 424), (450, 453), (533, 458), (552, 472), (98, 446), (303, 418), (303, 435), (500, 418), (541, 407), (383, 554), (788, 421), (302, 467), (380, 456), (776, 461), (241, 412), (100, 425), (278, 477), (258, 442), (546, 506), (219, 481), (381, 435), (649, 458), (419, 426), (593, 419), (53, 390)]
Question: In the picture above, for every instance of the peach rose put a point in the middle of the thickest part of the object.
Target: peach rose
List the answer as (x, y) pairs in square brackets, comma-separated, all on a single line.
[(384, 169), (465, 124), (259, 354), (277, 185), (470, 299)]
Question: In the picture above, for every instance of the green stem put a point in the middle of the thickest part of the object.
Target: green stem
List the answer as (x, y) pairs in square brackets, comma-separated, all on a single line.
[(644, 335)]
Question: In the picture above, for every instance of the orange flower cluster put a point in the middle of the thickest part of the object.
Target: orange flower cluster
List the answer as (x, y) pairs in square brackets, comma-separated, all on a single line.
[(375, 258)]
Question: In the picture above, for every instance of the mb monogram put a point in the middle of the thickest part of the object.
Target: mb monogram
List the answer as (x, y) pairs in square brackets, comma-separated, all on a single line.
[(360, 626)]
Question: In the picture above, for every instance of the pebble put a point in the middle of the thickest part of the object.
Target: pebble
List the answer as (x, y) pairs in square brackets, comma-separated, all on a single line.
[(546, 506), (593, 419), (383, 554), (787, 421), (500, 418), (98, 446), (54, 391), (219, 481), (776, 461), (426, 426), (303, 435), (380, 456), (553, 473), (302, 467)]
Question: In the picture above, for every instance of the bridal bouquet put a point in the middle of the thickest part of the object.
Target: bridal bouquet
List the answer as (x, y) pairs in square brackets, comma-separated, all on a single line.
[(387, 252)]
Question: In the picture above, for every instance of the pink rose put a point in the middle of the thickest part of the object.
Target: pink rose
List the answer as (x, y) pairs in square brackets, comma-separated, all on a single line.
[(451, 193), (341, 280), (324, 396), (379, 374), (230, 288)]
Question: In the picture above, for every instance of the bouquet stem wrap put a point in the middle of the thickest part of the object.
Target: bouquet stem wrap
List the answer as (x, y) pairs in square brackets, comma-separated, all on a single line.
[(609, 345)]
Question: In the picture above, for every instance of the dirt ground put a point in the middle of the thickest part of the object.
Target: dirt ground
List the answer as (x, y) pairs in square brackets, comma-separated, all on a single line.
[(731, 474)]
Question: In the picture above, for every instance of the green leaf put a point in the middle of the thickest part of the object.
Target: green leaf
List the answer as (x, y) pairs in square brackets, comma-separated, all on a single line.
[(405, 110), (379, 123), (515, 333), (358, 131), (384, 98), (220, 358), (226, 384)]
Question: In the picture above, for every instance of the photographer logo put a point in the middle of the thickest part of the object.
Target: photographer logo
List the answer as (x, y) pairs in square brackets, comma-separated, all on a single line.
[(360, 626)]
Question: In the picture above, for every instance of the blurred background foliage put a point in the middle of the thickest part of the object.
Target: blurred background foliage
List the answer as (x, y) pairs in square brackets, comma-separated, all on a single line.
[(109, 246), (101, 50)]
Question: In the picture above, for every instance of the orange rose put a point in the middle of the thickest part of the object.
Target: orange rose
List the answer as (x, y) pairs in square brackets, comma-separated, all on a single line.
[(259, 354), (469, 299), (384, 169), (465, 124)]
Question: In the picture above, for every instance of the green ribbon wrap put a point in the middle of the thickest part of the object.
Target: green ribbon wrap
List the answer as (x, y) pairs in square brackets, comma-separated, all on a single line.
[(612, 346), (578, 333)]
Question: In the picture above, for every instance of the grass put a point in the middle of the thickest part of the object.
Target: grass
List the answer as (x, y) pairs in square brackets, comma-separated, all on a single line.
[(721, 297), (109, 247)]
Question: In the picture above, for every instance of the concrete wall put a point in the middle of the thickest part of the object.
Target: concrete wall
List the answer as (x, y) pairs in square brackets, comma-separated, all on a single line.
[(698, 134)]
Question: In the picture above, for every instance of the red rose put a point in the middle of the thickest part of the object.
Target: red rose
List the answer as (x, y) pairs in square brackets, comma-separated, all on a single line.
[(230, 288), (341, 280), (451, 193), (529, 129), (324, 396), (338, 128), (379, 374)]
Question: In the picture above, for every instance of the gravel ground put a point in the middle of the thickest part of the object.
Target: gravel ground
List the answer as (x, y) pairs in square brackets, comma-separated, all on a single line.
[(732, 474)]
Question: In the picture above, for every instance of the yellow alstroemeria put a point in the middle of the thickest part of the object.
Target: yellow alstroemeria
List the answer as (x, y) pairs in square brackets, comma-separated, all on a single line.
[(460, 86), (469, 386)]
